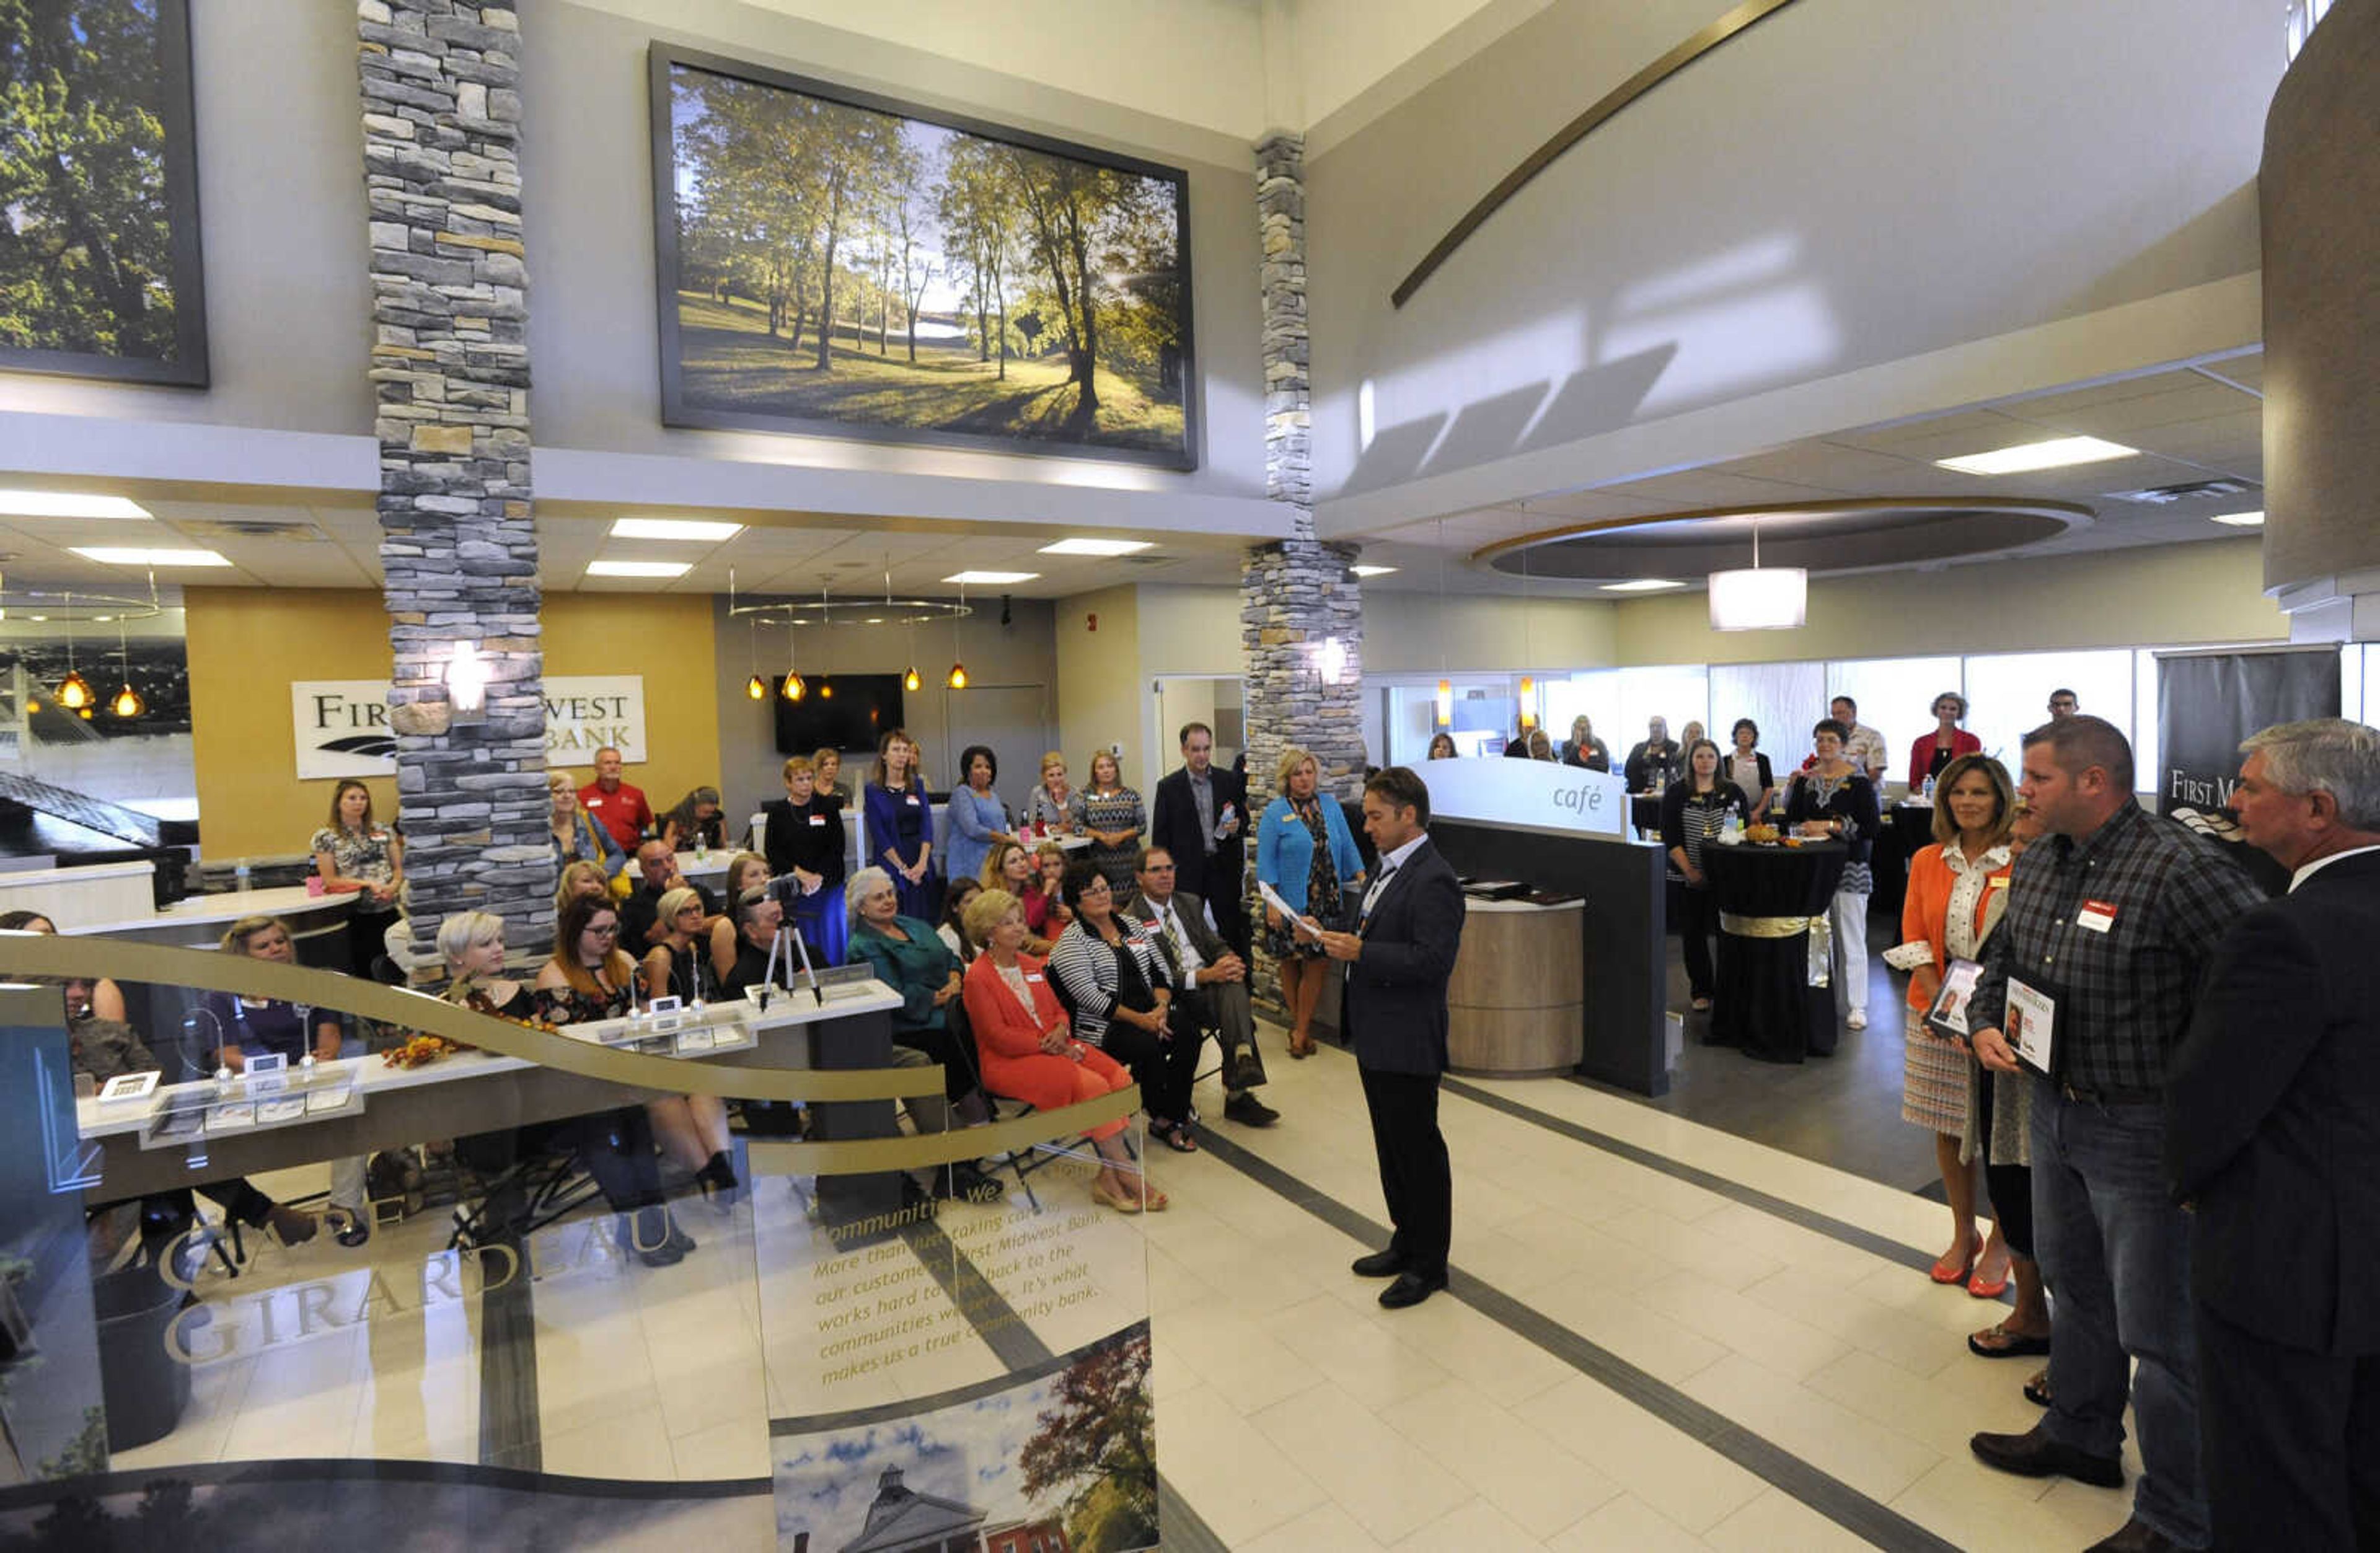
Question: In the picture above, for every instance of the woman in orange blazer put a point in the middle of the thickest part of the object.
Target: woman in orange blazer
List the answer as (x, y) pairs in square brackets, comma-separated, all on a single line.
[(1957, 888), (1029, 1054)]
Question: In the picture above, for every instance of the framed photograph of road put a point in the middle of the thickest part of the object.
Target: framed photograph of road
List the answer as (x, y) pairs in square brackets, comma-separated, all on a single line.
[(836, 263), (99, 192)]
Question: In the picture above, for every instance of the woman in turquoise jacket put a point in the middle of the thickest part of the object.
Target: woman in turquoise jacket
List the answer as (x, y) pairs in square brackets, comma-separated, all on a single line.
[(1304, 851)]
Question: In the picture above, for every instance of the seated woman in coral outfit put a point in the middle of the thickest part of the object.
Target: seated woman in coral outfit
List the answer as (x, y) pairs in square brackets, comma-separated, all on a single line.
[(1029, 1054)]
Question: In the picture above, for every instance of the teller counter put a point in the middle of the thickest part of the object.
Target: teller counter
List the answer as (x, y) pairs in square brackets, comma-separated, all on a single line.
[(1516, 1001)]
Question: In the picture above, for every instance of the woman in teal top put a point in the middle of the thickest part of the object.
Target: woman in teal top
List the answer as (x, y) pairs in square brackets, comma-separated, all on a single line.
[(1304, 851), (909, 957)]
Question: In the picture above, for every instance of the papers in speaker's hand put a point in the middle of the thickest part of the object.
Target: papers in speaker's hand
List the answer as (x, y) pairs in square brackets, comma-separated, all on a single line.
[(1272, 898)]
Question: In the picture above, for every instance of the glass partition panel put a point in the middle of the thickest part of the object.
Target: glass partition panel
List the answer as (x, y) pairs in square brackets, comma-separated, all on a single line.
[(2007, 694), (1896, 698), (1679, 692), (534, 1285), (1783, 699)]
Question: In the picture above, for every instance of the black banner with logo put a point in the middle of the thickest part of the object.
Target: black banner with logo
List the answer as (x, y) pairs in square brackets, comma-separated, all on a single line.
[(2207, 702)]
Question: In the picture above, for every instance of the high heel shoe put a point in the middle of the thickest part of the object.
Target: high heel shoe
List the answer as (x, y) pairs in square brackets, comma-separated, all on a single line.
[(717, 1179), (654, 1240)]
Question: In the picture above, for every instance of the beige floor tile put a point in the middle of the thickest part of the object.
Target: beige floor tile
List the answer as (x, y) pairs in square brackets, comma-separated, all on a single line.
[(1241, 1484), (1626, 1524), (1683, 1479), (1376, 1474), (1778, 1523), (1920, 1347), (1243, 1363), (1475, 1523), (633, 1444), (1662, 1348), (1532, 1479), (1324, 1529), (1361, 1358), (1778, 1343), (1877, 1461), (1499, 1365), (1942, 1410), (1693, 1248), (738, 1448)]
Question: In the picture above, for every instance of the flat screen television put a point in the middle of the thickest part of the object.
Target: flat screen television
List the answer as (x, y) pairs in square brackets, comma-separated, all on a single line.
[(841, 712)]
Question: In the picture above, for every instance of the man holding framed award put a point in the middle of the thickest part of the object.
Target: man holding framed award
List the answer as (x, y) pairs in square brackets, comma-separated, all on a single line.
[(2089, 985)]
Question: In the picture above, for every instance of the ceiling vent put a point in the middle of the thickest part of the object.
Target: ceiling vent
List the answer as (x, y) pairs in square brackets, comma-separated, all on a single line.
[(296, 530), (2165, 495)]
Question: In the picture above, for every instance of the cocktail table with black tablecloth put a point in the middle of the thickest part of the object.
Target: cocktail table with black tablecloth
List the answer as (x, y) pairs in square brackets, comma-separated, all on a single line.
[(1763, 1000), (1908, 828)]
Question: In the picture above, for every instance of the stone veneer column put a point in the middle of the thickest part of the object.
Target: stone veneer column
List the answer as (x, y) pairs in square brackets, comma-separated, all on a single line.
[(1296, 595), (450, 371)]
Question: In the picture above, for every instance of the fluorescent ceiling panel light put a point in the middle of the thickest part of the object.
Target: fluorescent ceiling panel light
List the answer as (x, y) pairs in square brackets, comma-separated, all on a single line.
[(1371, 571), (1642, 585), (2241, 519), (638, 568), (66, 503), (673, 528), (1097, 547), (2055, 454), (990, 580), (112, 556)]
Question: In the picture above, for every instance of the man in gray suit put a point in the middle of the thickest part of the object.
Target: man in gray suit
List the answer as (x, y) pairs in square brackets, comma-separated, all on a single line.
[(1211, 983), (2271, 1137), (1398, 951)]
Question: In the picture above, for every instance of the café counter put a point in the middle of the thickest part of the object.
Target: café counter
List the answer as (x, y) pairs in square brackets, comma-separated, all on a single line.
[(1514, 1003)]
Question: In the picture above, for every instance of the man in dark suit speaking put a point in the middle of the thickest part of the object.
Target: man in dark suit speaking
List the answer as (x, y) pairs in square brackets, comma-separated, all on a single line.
[(2272, 1136), (1399, 952)]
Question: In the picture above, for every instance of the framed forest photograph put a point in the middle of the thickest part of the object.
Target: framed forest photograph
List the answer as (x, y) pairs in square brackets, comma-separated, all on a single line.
[(832, 262), (100, 273)]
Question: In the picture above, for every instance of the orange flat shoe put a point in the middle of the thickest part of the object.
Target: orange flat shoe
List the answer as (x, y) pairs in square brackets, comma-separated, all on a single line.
[(1983, 1291), (1948, 1271)]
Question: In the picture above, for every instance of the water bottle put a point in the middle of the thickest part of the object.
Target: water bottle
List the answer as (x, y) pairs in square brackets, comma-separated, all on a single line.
[(239, 874), (1929, 787)]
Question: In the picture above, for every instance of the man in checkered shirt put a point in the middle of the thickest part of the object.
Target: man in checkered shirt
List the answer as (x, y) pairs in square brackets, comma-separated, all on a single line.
[(2112, 918)]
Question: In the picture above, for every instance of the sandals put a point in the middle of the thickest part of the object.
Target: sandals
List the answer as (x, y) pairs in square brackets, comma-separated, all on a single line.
[(1301, 1046), (2037, 1390), (1122, 1202), (1175, 1135), (1999, 1342)]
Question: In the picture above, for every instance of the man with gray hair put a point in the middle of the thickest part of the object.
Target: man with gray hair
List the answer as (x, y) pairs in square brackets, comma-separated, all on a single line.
[(2273, 1139)]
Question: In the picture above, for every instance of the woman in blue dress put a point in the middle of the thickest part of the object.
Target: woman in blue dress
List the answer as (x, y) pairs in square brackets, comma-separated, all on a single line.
[(901, 825), (973, 817)]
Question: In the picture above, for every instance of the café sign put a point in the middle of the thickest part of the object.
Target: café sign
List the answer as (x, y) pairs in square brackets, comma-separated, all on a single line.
[(1540, 793), (341, 725)]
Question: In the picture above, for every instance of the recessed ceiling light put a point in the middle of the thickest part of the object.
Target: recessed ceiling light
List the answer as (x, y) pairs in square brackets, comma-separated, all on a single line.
[(1097, 547), (1371, 571), (991, 579), (673, 528), (66, 503), (638, 568), (2241, 519), (1641, 585), (108, 555), (2055, 454)]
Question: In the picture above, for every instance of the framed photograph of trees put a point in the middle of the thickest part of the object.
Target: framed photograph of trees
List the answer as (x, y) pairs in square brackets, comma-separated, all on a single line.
[(834, 262), (99, 192)]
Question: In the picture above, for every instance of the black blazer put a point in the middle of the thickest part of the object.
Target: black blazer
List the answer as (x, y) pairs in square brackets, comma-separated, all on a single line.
[(1173, 825), (1394, 1003), (2273, 1118), (792, 838)]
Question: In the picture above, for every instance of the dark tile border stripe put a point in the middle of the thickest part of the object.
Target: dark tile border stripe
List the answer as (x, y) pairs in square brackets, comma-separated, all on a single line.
[(349, 1469), (1793, 1213), (1828, 1496), (510, 1433)]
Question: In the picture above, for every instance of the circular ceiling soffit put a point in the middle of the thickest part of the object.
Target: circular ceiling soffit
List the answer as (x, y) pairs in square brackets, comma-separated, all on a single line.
[(1838, 535)]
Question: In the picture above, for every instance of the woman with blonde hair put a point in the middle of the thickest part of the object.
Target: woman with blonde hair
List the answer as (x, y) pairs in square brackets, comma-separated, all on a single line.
[(575, 835), (692, 1128), (1054, 805), (356, 855), (1115, 817), (1305, 852), (901, 823), (581, 877)]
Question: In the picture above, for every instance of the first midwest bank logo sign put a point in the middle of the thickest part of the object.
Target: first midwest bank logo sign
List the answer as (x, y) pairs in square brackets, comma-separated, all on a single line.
[(341, 725)]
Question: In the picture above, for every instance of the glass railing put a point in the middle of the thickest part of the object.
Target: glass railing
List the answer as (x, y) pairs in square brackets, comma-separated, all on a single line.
[(291, 1259)]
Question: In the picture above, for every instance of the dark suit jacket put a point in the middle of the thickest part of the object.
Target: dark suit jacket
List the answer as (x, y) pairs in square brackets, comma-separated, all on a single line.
[(1193, 912), (1394, 1004), (2273, 1118), (1173, 825)]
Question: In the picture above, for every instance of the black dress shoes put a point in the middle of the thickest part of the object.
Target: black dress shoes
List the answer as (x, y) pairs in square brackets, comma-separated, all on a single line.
[(1412, 1288), (2134, 1536), (1248, 1112), (2034, 1454), (1379, 1263)]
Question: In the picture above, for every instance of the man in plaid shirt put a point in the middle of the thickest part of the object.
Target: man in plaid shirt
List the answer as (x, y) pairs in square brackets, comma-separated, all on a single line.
[(2111, 920)]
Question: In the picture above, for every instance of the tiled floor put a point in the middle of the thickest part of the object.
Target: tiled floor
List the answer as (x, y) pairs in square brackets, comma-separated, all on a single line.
[(1626, 1361)]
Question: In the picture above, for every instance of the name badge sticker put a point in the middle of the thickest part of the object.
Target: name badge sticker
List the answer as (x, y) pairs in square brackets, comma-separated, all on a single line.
[(916, 798), (818, 819), (2097, 916), (1033, 977)]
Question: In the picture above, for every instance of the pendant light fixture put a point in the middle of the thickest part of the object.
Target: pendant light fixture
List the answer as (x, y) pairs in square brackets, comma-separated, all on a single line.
[(756, 687), (794, 689), (1529, 653), (826, 613), (910, 679), (1774, 600), (74, 691), (957, 678), (1445, 686), (127, 702)]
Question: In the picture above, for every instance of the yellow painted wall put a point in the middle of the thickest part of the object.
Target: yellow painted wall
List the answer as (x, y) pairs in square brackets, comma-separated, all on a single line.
[(248, 644), (1100, 684), (2209, 590)]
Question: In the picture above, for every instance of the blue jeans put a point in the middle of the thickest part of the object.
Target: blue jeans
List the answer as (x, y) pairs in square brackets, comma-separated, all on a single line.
[(2115, 1252)]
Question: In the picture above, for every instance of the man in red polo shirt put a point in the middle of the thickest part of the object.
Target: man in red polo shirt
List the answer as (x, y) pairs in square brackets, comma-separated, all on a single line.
[(615, 806)]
